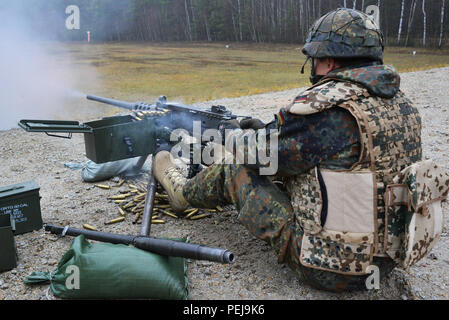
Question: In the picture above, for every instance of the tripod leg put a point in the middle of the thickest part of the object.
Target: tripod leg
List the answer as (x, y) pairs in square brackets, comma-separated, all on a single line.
[(149, 202)]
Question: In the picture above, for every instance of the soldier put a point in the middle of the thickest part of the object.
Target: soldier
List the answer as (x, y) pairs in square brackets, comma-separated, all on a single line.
[(341, 143)]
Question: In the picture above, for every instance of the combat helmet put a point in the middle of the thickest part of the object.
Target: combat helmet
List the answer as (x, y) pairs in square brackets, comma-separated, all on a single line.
[(345, 33)]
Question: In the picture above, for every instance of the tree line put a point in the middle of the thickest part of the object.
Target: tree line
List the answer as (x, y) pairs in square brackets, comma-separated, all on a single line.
[(403, 22)]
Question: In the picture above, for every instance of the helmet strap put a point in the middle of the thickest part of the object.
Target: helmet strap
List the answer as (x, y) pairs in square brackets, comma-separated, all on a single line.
[(314, 78), (302, 69)]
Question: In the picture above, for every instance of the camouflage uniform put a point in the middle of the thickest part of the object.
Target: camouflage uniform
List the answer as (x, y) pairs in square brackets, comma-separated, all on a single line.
[(329, 139), (354, 121)]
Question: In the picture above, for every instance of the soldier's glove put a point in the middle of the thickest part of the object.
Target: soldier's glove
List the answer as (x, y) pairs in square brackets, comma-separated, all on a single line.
[(253, 123)]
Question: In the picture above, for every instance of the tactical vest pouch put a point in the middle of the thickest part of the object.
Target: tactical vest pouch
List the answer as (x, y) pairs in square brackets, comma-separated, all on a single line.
[(413, 212), (345, 243)]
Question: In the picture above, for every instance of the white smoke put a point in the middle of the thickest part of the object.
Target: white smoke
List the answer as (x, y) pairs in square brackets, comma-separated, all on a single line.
[(38, 79)]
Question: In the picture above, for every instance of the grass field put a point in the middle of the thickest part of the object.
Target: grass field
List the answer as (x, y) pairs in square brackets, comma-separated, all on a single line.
[(205, 71)]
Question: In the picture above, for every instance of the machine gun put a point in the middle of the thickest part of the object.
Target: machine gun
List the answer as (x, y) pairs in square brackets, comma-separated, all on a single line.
[(143, 132)]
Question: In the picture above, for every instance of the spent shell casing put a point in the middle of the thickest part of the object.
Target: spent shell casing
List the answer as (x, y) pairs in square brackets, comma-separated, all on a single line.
[(200, 216), (157, 221), (137, 216), (103, 186), (219, 208), (116, 220), (163, 206), (122, 213), (139, 197), (119, 201), (165, 196), (129, 205), (89, 227), (120, 183), (169, 214), (119, 197), (191, 213)]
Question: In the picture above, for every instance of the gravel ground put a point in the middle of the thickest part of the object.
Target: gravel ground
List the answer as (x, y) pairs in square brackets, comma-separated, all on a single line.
[(67, 200)]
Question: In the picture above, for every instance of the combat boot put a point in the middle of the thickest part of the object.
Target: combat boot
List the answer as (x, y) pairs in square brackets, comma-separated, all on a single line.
[(171, 179)]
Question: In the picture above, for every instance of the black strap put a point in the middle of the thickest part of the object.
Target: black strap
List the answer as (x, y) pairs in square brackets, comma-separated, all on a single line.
[(324, 197)]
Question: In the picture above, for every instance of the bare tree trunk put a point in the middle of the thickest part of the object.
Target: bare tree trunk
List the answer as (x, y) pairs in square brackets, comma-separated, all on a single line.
[(442, 21), (207, 28), (189, 27), (400, 21), (410, 19), (302, 15), (425, 20), (240, 21), (363, 6), (354, 3), (344, 3)]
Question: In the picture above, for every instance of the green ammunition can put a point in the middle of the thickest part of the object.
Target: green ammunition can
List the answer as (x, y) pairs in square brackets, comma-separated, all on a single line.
[(22, 202), (8, 254)]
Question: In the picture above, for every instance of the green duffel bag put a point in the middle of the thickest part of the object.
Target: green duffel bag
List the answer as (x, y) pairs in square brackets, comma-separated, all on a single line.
[(115, 271)]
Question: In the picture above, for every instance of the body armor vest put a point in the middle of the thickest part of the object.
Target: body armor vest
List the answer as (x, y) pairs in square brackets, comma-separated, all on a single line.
[(360, 224)]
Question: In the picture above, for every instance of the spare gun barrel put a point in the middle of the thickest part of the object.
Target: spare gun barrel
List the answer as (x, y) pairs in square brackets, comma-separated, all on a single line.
[(117, 103), (160, 246)]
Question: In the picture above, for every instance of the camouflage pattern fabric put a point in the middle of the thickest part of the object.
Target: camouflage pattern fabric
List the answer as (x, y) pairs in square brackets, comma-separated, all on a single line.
[(413, 213), (304, 142), (365, 141), (266, 211), (381, 80), (344, 33)]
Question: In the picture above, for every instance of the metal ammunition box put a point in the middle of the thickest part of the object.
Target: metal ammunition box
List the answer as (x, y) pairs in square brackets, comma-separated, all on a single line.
[(109, 139), (8, 254), (22, 202)]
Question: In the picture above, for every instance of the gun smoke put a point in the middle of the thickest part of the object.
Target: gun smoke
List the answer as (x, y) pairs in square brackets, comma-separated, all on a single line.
[(38, 78)]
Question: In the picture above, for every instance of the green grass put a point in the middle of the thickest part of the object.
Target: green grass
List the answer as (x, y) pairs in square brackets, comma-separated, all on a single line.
[(202, 71)]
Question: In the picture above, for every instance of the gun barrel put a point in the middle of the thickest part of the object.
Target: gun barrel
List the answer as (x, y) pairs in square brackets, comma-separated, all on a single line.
[(159, 246), (117, 103)]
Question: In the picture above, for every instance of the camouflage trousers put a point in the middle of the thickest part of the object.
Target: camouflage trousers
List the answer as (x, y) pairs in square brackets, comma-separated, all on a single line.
[(266, 211)]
